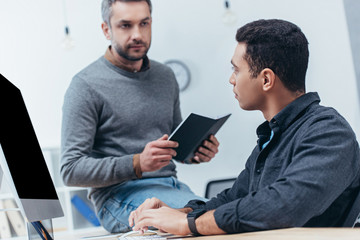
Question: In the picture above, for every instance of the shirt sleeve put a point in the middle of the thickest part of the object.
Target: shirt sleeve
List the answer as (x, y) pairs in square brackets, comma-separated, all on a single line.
[(324, 163), (81, 111), (239, 190)]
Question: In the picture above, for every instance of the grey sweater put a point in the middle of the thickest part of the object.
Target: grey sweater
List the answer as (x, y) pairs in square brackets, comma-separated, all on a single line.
[(109, 115)]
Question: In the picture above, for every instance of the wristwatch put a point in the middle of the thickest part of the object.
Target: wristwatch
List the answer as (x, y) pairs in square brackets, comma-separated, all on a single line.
[(191, 217)]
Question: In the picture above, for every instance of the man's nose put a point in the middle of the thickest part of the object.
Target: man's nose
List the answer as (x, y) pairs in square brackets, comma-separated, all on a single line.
[(136, 33), (232, 79)]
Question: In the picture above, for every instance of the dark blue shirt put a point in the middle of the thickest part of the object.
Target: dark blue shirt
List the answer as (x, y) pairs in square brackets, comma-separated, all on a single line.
[(307, 175)]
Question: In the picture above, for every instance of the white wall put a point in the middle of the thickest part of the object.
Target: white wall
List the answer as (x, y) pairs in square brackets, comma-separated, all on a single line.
[(32, 57)]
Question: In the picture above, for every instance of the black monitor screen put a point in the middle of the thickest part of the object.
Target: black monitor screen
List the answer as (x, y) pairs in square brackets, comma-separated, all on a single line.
[(21, 147)]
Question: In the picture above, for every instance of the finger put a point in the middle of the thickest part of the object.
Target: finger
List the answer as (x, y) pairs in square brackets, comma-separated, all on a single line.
[(211, 146), (206, 152), (160, 164), (131, 219), (195, 160), (144, 229), (136, 217), (163, 151), (165, 144), (164, 137), (214, 140), (143, 223), (148, 203), (202, 157), (145, 204), (162, 158), (134, 214), (140, 225)]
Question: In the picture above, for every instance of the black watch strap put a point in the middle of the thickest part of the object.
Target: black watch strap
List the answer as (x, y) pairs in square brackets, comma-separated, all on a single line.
[(191, 217)]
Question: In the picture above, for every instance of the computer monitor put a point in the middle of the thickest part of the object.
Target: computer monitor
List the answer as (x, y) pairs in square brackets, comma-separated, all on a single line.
[(21, 158)]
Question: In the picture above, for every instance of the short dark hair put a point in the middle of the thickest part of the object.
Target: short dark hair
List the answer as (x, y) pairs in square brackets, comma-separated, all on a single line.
[(278, 45), (106, 8)]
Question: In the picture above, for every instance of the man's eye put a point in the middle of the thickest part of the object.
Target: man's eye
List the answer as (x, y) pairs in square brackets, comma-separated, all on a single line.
[(144, 24), (125, 26), (235, 70)]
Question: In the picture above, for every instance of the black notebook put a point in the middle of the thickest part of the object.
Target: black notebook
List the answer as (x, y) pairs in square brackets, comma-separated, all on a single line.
[(192, 131)]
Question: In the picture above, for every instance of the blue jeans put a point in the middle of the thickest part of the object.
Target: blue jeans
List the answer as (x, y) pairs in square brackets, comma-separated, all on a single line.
[(115, 212)]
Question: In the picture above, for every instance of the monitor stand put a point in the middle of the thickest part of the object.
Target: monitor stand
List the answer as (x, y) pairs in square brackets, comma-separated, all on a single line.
[(35, 230)]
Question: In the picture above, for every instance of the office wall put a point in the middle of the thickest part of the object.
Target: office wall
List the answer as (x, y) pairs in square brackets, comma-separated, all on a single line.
[(32, 57), (353, 19)]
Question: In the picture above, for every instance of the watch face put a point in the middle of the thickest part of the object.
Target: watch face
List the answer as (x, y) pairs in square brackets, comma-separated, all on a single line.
[(181, 71)]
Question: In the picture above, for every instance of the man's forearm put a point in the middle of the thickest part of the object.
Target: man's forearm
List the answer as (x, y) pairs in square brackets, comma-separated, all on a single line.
[(206, 224)]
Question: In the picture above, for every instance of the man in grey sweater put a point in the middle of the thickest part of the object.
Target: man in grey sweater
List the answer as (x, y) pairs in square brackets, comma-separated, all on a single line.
[(117, 113)]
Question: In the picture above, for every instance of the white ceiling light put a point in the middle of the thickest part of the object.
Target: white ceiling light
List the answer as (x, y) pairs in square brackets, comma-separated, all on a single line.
[(229, 17)]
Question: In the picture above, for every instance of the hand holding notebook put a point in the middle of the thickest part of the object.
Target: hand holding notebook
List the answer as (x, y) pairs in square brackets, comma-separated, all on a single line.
[(192, 132)]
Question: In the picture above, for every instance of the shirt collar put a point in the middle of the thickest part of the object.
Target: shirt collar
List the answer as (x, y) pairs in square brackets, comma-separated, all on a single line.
[(110, 57), (291, 112), (282, 120)]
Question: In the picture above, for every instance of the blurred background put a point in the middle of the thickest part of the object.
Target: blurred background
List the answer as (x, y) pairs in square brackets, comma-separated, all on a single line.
[(37, 56)]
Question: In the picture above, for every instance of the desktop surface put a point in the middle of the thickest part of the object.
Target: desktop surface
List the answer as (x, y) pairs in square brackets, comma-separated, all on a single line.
[(281, 234)]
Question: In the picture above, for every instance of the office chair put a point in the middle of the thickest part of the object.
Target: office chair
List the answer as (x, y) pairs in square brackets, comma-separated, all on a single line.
[(216, 186), (353, 218)]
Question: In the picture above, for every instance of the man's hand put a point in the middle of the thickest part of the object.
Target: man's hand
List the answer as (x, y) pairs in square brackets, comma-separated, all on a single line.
[(207, 151), (157, 154), (150, 203), (175, 221), (165, 219)]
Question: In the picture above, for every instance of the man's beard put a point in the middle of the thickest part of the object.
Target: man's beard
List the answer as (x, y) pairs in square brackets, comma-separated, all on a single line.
[(124, 52)]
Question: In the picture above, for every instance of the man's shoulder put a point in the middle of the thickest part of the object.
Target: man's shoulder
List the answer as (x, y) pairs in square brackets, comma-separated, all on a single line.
[(157, 66), (154, 63), (318, 118), (324, 112), (93, 69), (308, 107), (87, 79), (160, 72)]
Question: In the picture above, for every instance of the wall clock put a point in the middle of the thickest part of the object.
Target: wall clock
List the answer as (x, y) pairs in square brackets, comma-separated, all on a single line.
[(181, 71)]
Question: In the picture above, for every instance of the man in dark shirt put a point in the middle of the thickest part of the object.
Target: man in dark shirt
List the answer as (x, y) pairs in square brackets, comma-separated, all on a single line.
[(304, 170)]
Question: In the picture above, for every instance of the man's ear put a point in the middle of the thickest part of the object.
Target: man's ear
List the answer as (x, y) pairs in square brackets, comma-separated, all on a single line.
[(106, 30), (268, 79)]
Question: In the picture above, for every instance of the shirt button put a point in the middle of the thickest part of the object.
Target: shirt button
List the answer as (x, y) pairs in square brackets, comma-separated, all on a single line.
[(258, 171)]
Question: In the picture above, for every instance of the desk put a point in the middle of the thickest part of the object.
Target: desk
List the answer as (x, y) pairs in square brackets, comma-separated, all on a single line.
[(281, 234), (292, 234)]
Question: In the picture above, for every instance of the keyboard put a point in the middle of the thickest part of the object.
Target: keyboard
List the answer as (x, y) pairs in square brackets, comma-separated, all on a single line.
[(136, 235), (156, 237)]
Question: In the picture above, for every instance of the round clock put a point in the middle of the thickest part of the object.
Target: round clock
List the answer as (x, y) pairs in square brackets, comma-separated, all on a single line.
[(181, 71)]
